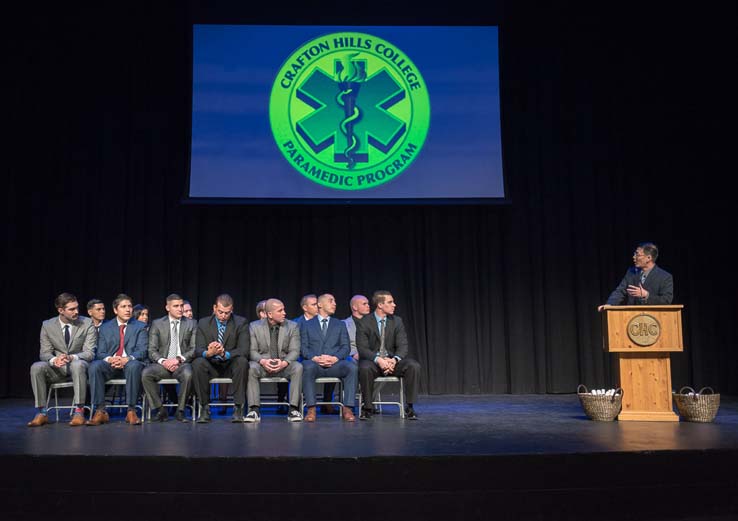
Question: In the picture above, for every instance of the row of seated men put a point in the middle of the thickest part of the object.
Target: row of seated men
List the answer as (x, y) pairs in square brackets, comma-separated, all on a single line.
[(223, 345)]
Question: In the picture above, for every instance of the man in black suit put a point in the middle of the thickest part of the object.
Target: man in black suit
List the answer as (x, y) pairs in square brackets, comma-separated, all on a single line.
[(644, 283), (221, 351), (382, 343)]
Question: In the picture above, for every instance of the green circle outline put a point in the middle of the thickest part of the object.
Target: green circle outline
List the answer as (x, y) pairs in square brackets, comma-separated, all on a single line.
[(417, 125)]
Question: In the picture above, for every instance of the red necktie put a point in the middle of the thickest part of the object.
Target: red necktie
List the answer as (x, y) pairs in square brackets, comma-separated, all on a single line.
[(122, 328)]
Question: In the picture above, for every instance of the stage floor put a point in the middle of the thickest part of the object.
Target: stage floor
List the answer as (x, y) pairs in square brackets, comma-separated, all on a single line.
[(448, 426), (467, 457)]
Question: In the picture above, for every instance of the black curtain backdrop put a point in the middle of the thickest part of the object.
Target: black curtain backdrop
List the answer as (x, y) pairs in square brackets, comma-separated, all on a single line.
[(618, 127)]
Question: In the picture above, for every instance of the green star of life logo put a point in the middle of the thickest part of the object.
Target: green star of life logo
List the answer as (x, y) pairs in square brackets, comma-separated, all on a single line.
[(349, 111)]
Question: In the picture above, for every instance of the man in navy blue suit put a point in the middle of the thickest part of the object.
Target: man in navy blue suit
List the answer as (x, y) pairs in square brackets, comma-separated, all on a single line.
[(325, 346), (122, 349)]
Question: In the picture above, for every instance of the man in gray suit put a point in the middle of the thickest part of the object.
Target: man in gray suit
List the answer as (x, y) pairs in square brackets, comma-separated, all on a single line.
[(67, 343), (171, 348), (275, 347)]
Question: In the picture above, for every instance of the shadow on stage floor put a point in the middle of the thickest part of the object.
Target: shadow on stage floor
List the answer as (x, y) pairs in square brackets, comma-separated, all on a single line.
[(468, 457)]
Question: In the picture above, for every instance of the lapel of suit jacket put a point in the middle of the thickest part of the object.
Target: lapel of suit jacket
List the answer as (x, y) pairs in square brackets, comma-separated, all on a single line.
[(230, 330), (128, 336), (57, 335), (280, 338)]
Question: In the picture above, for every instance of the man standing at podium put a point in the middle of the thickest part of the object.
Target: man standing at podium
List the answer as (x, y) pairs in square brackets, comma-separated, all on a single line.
[(644, 283)]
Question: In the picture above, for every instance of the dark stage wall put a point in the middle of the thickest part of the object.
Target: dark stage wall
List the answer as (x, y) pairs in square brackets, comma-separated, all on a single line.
[(618, 127)]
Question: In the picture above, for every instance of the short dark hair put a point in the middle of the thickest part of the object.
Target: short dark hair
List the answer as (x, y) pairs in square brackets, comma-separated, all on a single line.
[(120, 298), (184, 302), (651, 249), (304, 299), (93, 302), (225, 300), (173, 296), (379, 296), (63, 299)]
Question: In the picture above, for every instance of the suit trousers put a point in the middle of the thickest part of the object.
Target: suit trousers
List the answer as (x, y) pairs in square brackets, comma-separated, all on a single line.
[(407, 368), (204, 369), (43, 374), (293, 372), (101, 371), (155, 372), (342, 369)]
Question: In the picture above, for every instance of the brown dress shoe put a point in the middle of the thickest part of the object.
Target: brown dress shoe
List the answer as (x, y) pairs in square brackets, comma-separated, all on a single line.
[(99, 418), (310, 416), (38, 420), (78, 419), (132, 418), (348, 415)]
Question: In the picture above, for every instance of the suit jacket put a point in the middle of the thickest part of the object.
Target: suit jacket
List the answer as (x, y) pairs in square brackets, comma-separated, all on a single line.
[(135, 342), (368, 340), (659, 284), (335, 343), (160, 334), (288, 341), (236, 339), (351, 328), (82, 339)]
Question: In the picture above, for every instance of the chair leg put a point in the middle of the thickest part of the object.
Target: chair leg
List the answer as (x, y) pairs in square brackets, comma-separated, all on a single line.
[(402, 400)]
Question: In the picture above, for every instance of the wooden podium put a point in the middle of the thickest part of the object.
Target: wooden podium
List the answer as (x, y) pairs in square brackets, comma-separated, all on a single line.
[(642, 338)]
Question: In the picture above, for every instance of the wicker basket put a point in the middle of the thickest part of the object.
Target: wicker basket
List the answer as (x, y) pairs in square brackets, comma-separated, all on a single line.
[(697, 407), (600, 407)]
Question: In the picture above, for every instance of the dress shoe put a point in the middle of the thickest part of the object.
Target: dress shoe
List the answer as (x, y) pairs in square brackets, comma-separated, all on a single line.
[(365, 414), (204, 416), (132, 418), (38, 420), (348, 415), (180, 416), (100, 417), (410, 414), (310, 416), (78, 419), (161, 416), (237, 414)]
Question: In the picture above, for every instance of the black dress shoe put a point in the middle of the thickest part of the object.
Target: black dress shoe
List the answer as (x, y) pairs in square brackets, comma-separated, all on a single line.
[(180, 416), (410, 414), (160, 416), (366, 414), (204, 416), (237, 414)]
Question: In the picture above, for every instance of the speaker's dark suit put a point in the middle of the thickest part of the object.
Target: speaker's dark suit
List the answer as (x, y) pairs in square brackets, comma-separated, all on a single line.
[(368, 343), (336, 343), (659, 284), (135, 344), (235, 365)]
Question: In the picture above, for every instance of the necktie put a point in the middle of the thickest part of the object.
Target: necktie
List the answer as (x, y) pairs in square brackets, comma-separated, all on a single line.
[(643, 277), (174, 341), (274, 342), (221, 332), (323, 325), (382, 349), (66, 335), (122, 328)]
